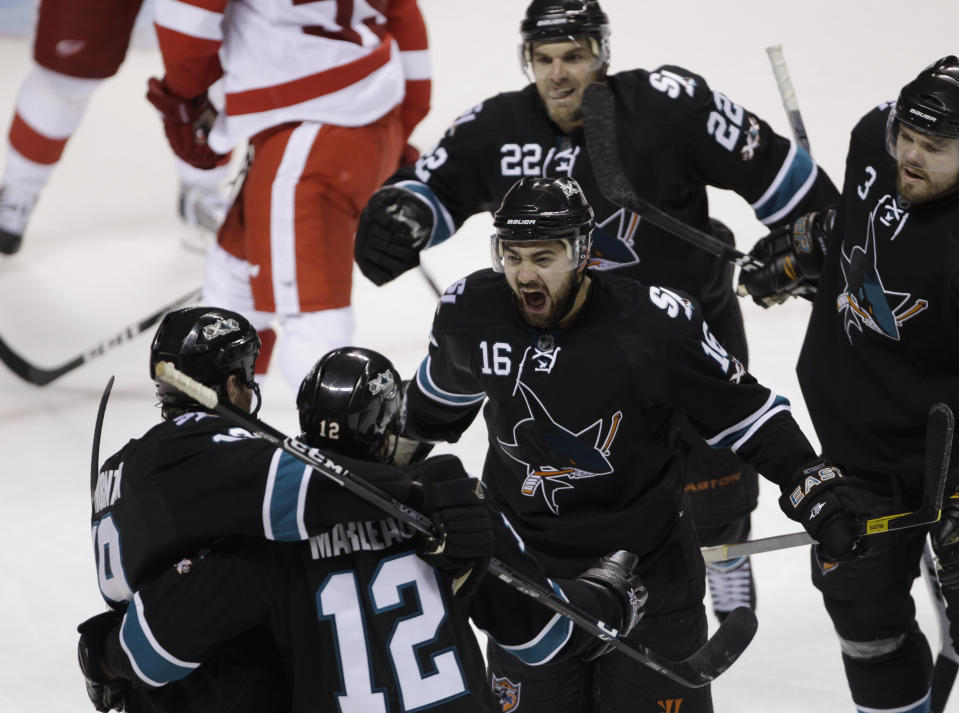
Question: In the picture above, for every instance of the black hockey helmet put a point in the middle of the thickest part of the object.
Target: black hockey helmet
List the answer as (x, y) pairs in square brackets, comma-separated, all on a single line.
[(352, 402), (930, 102), (929, 107), (207, 344), (561, 20), (539, 209)]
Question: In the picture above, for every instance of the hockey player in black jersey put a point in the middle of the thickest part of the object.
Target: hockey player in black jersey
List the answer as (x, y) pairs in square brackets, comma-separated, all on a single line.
[(677, 136), (586, 379), (194, 479), (880, 349), (361, 621)]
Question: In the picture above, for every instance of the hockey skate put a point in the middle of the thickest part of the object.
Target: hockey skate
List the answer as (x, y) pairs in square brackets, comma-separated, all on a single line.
[(15, 208), (202, 210), (731, 585)]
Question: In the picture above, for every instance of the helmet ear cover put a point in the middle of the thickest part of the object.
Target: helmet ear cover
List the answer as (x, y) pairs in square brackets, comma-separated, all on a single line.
[(351, 402)]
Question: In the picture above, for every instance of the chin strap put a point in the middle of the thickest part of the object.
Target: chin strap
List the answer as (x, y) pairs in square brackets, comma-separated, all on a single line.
[(259, 399)]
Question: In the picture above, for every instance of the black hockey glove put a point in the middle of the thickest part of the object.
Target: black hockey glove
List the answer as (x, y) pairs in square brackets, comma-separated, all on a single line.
[(945, 542), (822, 500), (456, 504), (792, 258), (106, 691), (613, 575), (394, 227)]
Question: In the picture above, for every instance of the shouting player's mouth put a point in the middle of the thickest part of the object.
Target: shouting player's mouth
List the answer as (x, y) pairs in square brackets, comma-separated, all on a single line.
[(534, 300)]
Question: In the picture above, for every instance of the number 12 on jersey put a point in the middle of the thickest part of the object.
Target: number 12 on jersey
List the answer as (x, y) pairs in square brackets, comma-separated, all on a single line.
[(397, 580)]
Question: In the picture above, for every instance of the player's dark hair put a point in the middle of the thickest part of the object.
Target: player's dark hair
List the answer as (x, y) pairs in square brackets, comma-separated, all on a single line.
[(351, 402), (208, 344)]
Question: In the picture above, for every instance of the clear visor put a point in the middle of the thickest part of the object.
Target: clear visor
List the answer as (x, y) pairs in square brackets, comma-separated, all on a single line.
[(922, 155), (599, 51), (543, 256)]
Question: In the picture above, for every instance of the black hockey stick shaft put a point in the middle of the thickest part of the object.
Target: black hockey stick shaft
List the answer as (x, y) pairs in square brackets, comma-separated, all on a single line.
[(788, 94), (947, 660), (940, 424), (97, 429), (430, 281), (708, 662), (599, 115), (40, 376)]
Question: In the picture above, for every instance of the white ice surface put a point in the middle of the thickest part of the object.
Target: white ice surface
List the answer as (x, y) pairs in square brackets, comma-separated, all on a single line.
[(103, 251)]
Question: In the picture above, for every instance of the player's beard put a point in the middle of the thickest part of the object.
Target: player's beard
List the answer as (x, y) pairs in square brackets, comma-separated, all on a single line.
[(923, 186), (568, 112)]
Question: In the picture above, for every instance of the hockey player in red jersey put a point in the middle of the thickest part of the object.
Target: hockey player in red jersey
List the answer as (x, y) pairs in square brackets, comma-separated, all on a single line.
[(587, 378), (677, 136), (78, 44), (326, 93), (883, 267), (362, 622)]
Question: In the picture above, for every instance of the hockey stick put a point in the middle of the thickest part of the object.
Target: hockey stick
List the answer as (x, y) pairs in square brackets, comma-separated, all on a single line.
[(97, 428), (40, 376), (430, 281), (704, 665), (599, 114), (947, 660), (788, 94), (939, 429)]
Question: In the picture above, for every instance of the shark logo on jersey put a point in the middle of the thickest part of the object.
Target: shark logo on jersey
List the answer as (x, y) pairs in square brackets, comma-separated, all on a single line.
[(553, 455), (866, 301), (506, 692), (613, 241)]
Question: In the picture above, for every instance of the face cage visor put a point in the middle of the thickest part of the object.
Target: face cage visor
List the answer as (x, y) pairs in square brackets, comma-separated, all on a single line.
[(930, 154), (598, 48), (575, 253)]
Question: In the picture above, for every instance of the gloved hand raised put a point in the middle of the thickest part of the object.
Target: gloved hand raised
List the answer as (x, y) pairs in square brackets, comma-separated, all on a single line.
[(106, 691), (614, 576), (792, 257), (394, 227), (456, 504), (822, 500), (187, 123)]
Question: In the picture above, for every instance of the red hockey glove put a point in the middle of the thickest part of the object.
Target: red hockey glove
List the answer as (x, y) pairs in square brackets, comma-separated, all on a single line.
[(187, 123)]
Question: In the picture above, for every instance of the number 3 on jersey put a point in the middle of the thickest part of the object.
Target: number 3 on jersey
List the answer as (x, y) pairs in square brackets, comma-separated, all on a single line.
[(402, 578)]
